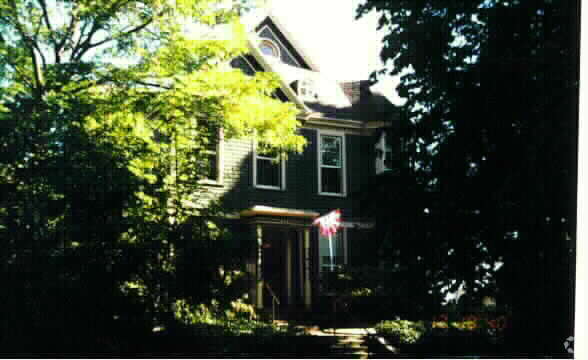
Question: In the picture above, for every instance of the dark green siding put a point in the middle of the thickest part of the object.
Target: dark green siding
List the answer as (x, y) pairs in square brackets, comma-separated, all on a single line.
[(238, 192)]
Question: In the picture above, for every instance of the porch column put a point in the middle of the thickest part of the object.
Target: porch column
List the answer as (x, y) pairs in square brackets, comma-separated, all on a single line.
[(259, 292), (307, 287), (289, 244)]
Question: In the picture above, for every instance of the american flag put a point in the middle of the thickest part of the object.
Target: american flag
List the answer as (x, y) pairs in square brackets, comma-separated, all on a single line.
[(329, 223)]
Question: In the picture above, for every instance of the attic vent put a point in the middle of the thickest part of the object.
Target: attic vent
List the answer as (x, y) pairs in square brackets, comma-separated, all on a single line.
[(307, 90)]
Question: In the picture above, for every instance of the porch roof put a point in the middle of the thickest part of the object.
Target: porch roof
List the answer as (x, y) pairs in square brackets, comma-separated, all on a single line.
[(274, 211)]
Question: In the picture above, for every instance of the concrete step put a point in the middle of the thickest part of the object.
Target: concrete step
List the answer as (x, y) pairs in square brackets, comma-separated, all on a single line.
[(349, 346)]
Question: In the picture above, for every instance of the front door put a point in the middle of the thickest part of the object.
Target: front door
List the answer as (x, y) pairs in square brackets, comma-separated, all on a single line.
[(283, 265)]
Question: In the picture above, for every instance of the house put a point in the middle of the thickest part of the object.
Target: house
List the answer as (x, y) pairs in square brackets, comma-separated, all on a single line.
[(274, 202)]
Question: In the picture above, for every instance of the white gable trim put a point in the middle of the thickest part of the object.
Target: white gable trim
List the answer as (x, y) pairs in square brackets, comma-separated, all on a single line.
[(248, 63)]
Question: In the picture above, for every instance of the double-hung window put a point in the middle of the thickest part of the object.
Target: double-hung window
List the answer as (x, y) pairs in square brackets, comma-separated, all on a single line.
[(331, 164), (269, 171), (211, 157)]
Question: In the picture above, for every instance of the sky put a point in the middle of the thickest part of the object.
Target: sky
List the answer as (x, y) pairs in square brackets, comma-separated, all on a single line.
[(342, 47)]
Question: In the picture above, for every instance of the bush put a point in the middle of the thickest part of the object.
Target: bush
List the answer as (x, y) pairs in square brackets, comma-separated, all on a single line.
[(375, 293), (402, 331)]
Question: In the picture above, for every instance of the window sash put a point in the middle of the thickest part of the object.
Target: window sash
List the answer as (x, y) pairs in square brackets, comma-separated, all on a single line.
[(213, 157), (339, 251), (268, 166), (275, 164)]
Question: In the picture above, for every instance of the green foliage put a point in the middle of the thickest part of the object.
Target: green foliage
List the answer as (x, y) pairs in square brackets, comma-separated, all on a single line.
[(402, 331), (376, 292), (107, 111), (484, 180)]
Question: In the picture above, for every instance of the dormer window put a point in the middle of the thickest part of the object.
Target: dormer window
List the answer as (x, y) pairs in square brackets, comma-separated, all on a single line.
[(383, 155), (268, 48), (307, 90)]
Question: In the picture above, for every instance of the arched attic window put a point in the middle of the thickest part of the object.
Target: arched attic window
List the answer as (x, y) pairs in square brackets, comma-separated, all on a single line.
[(269, 48)]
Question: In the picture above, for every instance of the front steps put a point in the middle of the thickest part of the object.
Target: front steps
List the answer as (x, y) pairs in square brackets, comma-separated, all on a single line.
[(349, 347), (343, 343)]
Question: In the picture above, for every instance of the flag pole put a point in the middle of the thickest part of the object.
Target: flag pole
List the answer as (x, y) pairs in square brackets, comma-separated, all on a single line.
[(331, 250)]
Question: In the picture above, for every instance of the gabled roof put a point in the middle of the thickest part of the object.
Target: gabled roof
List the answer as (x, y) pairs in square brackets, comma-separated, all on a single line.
[(286, 39), (351, 100)]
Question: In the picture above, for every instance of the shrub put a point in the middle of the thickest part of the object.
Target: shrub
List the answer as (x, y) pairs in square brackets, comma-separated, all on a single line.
[(402, 331)]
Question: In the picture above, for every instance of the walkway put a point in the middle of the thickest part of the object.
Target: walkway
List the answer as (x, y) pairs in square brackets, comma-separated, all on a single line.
[(341, 342)]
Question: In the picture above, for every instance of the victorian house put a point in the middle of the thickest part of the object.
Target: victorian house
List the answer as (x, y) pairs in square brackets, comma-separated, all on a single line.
[(274, 202)]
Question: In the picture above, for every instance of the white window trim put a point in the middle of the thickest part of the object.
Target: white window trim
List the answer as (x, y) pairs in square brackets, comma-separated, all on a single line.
[(343, 162), (343, 232), (219, 163), (278, 42), (282, 186)]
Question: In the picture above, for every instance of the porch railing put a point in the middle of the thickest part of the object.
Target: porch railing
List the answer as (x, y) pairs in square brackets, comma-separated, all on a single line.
[(275, 300)]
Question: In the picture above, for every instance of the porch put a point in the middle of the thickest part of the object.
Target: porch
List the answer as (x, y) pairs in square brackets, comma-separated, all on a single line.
[(283, 266)]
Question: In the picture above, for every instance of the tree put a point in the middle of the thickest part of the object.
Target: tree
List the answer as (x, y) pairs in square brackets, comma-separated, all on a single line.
[(492, 90), (107, 109)]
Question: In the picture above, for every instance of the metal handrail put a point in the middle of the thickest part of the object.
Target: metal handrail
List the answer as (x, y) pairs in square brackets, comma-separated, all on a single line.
[(275, 300)]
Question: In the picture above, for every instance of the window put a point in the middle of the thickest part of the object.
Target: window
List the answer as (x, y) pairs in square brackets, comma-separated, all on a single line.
[(307, 90), (267, 47), (331, 164), (269, 171), (212, 157), (339, 247), (383, 155)]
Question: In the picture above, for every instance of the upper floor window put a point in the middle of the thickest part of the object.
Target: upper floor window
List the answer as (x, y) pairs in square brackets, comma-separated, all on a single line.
[(383, 155), (307, 90), (212, 157), (269, 171), (267, 47), (331, 164)]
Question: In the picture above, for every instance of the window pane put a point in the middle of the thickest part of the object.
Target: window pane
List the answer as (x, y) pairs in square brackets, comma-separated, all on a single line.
[(209, 154), (338, 251), (331, 159), (388, 159), (331, 150), (331, 180), (211, 166), (268, 48), (268, 173)]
